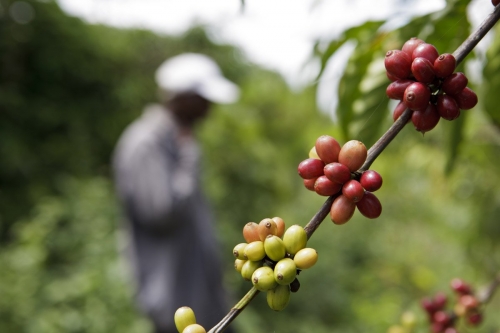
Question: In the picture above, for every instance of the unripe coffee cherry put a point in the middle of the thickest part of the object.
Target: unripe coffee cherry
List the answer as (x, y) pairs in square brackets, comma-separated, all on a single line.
[(311, 168), (313, 153), (369, 206), (238, 251), (305, 258), (337, 172), (250, 232), (278, 298), (274, 247), (466, 99), (353, 154), (398, 64), (254, 251), (248, 268), (342, 210), (266, 227), (324, 186), (285, 271), (327, 149), (194, 328), (454, 83), (423, 70), (263, 278), (396, 89), (238, 264), (371, 180), (280, 226), (183, 317), (425, 120), (427, 51), (417, 96), (447, 107), (295, 239), (445, 65), (353, 190), (410, 45)]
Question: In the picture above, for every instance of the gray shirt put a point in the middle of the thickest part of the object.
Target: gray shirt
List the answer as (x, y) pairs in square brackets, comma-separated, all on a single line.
[(172, 246)]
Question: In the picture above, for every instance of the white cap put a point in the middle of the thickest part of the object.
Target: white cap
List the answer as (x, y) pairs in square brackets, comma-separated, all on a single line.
[(196, 73)]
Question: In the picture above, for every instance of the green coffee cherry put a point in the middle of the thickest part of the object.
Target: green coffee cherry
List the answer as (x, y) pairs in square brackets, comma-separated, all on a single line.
[(183, 317), (194, 328), (295, 239), (285, 271), (278, 298), (254, 251), (238, 251), (263, 278), (238, 264), (305, 258), (274, 248), (248, 268)]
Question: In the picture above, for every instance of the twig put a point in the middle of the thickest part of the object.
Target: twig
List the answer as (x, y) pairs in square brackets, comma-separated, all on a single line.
[(460, 53), (490, 290)]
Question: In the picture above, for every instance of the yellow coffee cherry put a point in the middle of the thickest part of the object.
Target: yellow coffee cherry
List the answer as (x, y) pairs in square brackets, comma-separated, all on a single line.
[(274, 248), (295, 239), (248, 268), (239, 251), (408, 320), (396, 329), (183, 317), (313, 153), (194, 328), (278, 298), (255, 251), (238, 264), (263, 278), (305, 258), (285, 271)]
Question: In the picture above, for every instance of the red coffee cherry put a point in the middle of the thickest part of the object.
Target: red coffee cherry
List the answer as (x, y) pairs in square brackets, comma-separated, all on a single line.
[(469, 302), (309, 183), (337, 172), (398, 111), (441, 317), (495, 2), (398, 64), (353, 190), (391, 77), (423, 70), (417, 96), (342, 210), (371, 180), (440, 300), (460, 286), (251, 232), (311, 168), (327, 149), (427, 51), (447, 107), (324, 186), (475, 318), (428, 305), (425, 120), (466, 99), (396, 89), (455, 83), (369, 206), (444, 65), (353, 154), (410, 45)]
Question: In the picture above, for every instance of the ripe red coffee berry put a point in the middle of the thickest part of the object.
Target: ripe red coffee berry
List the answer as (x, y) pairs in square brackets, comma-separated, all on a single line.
[(444, 65), (353, 190), (423, 70), (410, 45), (398, 111), (327, 149), (475, 318), (371, 180), (455, 83), (441, 317), (391, 77), (417, 96), (466, 99), (324, 186), (342, 210), (428, 305), (398, 64), (447, 107), (353, 154), (369, 206), (425, 120), (469, 301), (396, 89), (460, 286), (337, 172), (311, 168), (309, 183), (440, 300), (427, 51)]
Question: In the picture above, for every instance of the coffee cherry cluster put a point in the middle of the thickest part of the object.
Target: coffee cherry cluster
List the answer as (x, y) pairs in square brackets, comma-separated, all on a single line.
[(272, 257), (331, 170), (467, 306), (424, 81), (185, 321)]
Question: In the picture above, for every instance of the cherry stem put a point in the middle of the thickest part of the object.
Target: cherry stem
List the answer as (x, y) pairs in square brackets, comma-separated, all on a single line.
[(490, 290), (460, 53)]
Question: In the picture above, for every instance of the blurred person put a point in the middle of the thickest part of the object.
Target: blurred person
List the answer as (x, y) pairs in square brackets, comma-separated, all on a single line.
[(171, 241)]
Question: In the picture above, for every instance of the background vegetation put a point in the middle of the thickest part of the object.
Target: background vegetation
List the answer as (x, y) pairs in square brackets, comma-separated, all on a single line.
[(67, 90)]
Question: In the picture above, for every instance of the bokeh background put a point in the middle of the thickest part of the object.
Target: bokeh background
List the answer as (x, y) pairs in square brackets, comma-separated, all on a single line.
[(68, 88)]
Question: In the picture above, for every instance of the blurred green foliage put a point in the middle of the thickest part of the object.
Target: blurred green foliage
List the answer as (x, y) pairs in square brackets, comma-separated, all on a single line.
[(67, 90)]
